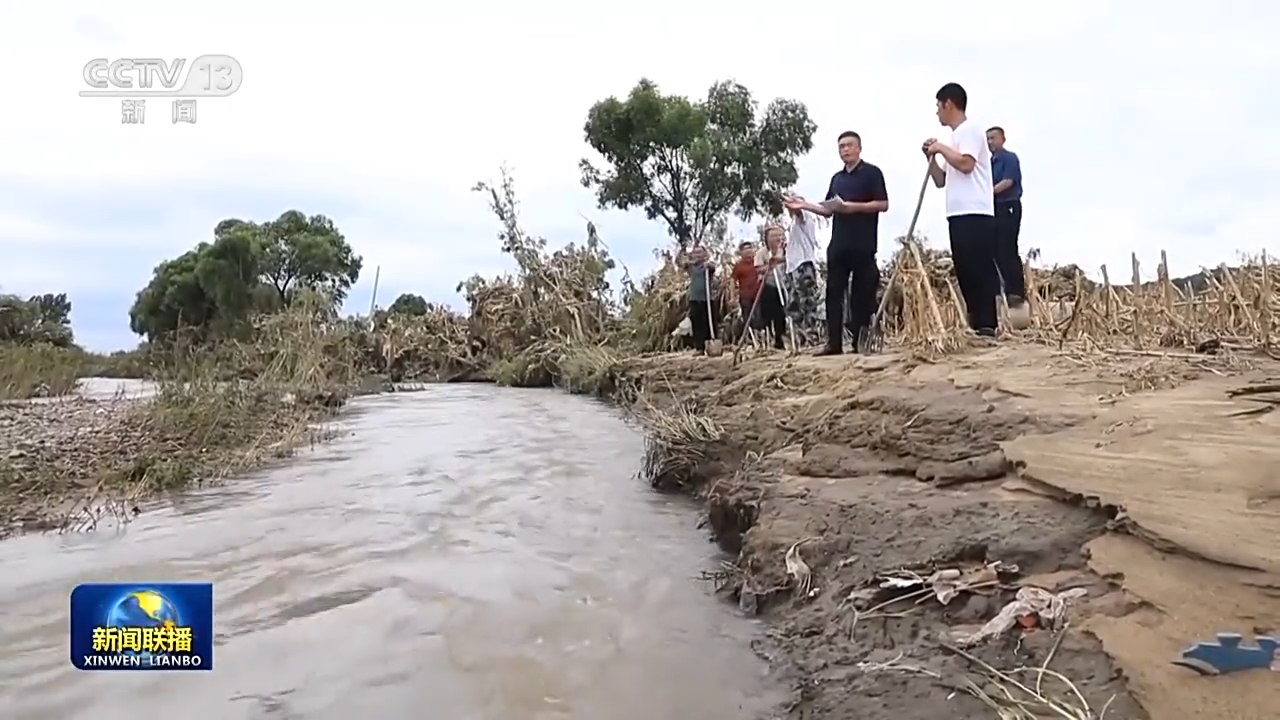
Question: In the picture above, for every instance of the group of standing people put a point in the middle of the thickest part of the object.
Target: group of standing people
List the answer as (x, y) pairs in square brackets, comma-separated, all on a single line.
[(983, 185), (781, 279)]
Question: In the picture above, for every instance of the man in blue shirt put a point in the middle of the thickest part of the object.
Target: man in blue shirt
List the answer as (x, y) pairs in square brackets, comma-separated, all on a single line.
[(1006, 176)]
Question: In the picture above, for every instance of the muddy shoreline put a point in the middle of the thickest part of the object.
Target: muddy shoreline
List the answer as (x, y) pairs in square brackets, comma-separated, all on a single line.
[(862, 468), (769, 483)]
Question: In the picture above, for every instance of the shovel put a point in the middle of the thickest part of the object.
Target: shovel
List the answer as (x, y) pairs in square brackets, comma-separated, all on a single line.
[(746, 322), (715, 347), (871, 338), (1020, 315)]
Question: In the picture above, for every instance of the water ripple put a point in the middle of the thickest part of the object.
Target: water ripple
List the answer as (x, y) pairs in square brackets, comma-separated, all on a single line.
[(462, 552)]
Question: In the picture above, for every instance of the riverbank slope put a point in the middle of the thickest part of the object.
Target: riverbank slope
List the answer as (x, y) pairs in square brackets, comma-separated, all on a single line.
[(1133, 476)]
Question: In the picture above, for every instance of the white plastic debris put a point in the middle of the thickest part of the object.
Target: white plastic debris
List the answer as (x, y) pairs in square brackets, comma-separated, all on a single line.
[(947, 584), (1049, 607), (798, 569)]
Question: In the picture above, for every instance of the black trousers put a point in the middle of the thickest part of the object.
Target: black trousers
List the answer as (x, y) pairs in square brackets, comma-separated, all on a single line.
[(773, 313), (751, 312), (704, 327), (1008, 225), (973, 250), (853, 271)]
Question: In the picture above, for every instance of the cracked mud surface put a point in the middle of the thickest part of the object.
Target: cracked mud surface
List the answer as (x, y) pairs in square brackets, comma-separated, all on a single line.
[(878, 464)]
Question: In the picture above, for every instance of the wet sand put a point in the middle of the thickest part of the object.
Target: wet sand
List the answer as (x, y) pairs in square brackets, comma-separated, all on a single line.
[(1128, 477)]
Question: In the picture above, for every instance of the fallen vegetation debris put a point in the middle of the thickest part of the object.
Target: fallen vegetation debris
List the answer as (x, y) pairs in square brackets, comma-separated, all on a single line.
[(947, 583), (1013, 699)]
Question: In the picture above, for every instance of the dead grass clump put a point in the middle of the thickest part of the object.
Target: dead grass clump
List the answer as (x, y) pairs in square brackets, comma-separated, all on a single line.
[(537, 326), (436, 345), (589, 369), (678, 445), (71, 463), (38, 370)]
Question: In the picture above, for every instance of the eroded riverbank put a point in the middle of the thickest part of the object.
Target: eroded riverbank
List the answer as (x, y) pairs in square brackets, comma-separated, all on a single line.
[(480, 552), (1111, 481)]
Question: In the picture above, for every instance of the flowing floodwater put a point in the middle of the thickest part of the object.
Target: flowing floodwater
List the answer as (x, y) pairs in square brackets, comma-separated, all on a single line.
[(464, 552)]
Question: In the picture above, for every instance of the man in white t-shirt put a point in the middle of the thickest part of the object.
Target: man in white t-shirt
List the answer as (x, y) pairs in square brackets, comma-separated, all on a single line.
[(802, 270), (965, 172)]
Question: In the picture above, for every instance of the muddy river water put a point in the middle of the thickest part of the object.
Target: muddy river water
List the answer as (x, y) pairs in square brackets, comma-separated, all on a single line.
[(465, 552)]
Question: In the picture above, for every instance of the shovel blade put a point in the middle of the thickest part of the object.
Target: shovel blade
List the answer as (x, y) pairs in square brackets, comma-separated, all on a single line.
[(870, 340)]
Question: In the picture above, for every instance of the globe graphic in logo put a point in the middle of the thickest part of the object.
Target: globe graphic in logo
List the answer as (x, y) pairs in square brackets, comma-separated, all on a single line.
[(141, 609)]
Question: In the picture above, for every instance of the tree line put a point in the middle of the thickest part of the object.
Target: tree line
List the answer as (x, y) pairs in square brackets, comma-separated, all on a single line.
[(686, 163)]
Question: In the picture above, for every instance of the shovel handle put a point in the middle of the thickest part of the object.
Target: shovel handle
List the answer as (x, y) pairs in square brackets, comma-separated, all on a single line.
[(711, 321), (911, 233)]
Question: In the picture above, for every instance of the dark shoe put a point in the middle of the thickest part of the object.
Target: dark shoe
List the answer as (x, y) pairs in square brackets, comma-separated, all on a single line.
[(829, 350), (986, 332), (779, 345)]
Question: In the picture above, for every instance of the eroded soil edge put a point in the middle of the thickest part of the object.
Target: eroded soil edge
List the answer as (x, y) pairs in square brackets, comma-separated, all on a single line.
[(874, 472)]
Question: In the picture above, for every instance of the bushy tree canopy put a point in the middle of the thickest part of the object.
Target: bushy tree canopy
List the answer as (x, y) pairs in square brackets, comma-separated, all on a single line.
[(692, 163), (38, 319), (309, 252), (409, 304), (249, 267)]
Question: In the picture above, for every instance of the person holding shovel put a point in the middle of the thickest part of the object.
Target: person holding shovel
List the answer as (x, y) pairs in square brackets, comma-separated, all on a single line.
[(966, 174), (747, 278), (770, 262), (703, 318)]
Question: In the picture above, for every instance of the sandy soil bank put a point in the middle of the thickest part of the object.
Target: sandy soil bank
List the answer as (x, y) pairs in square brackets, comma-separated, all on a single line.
[(1134, 477)]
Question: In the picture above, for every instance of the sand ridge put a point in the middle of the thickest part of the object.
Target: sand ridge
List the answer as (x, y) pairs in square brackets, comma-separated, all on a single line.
[(1131, 478)]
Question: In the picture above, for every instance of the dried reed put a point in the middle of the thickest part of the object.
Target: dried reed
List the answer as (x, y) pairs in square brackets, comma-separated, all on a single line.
[(1231, 308)]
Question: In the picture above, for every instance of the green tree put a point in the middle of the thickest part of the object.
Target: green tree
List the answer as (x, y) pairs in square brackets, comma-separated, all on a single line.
[(409, 304), (693, 163), (51, 309), (38, 319), (308, 252), (209, 290), (249, 268)]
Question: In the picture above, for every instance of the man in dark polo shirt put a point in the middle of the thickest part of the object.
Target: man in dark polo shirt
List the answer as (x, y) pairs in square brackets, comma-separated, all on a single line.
[(1006, 176), (855, 199)]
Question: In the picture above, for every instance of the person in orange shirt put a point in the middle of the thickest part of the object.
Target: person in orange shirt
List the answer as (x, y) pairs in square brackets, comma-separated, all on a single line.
[(747, 278)]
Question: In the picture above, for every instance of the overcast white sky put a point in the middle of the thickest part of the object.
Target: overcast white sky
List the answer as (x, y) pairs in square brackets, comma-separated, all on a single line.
[(1141, 126)]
